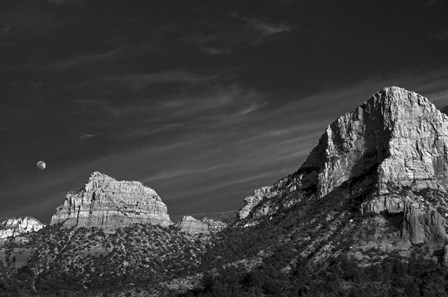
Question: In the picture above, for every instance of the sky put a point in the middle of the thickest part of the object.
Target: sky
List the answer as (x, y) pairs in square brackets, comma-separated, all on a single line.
[(203, 101)]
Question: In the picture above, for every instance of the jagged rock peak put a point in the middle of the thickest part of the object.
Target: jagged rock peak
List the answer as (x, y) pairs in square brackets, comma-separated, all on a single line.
[(193, 226), (107, 203), (397, 140), (398, 131), (18, 225)]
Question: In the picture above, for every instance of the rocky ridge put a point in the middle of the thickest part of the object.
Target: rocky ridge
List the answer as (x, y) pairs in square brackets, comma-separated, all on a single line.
[(16, 226), (214, 226), (253, 200), (193, 226), (107, 203), (387, 158)]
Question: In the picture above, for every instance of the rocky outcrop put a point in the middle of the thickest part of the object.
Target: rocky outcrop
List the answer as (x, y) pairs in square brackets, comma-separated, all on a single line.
[(390, 204), (388, 157), (251, 201), (445, 256), (214, 226), (397, 140), (107, 203), (397, 134), (17, 226), (193, 226), (422, 225)]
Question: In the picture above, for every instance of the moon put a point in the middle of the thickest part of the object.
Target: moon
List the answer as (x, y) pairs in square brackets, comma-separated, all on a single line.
[(41, 165)]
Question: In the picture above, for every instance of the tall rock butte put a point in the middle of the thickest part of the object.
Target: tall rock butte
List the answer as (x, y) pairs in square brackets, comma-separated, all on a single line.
[(387, 157), (107, 203)]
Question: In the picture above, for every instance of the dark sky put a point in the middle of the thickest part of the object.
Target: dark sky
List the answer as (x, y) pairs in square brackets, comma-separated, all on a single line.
[(203, 101)]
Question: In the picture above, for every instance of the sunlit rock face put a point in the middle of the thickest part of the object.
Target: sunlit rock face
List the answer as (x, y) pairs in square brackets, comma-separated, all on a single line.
[(251, 201), (389, 156), (422, 225), (398, 134), (17, 226), (107, 203), (193, 226)]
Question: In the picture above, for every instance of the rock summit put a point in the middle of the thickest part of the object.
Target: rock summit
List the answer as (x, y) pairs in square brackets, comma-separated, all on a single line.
[(107, 203)]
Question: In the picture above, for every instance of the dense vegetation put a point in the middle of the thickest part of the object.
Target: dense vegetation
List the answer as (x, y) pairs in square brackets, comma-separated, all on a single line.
[(342, 277), (89, 261)]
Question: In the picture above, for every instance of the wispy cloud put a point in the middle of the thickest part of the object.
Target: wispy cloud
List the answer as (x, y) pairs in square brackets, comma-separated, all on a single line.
[(88, 136), (84, 59), (232, 32), (206, 108), (265, 28), (140, 81), (14, 22), (213, 51)]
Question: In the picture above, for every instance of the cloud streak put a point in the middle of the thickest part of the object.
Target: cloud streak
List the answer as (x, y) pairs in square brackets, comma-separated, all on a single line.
[(265, 28), (140, 81), (205, 108), (83, 60)]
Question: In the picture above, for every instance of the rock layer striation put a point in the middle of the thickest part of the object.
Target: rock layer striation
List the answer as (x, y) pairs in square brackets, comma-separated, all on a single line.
[(107, 203)]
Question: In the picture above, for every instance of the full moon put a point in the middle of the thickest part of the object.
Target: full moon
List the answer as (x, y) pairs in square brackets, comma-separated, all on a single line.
[(41, 165)]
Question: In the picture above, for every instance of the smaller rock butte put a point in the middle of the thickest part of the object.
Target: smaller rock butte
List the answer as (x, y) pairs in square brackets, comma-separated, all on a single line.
[(214, 226), (19, 225), (193, 226), (107, 203)]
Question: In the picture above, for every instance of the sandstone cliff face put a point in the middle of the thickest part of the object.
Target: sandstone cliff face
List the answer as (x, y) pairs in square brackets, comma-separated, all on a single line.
[(17, 226), (253, 200), (193, 226), (107, 203), (423, 226), (398, 134), (383, 157)]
